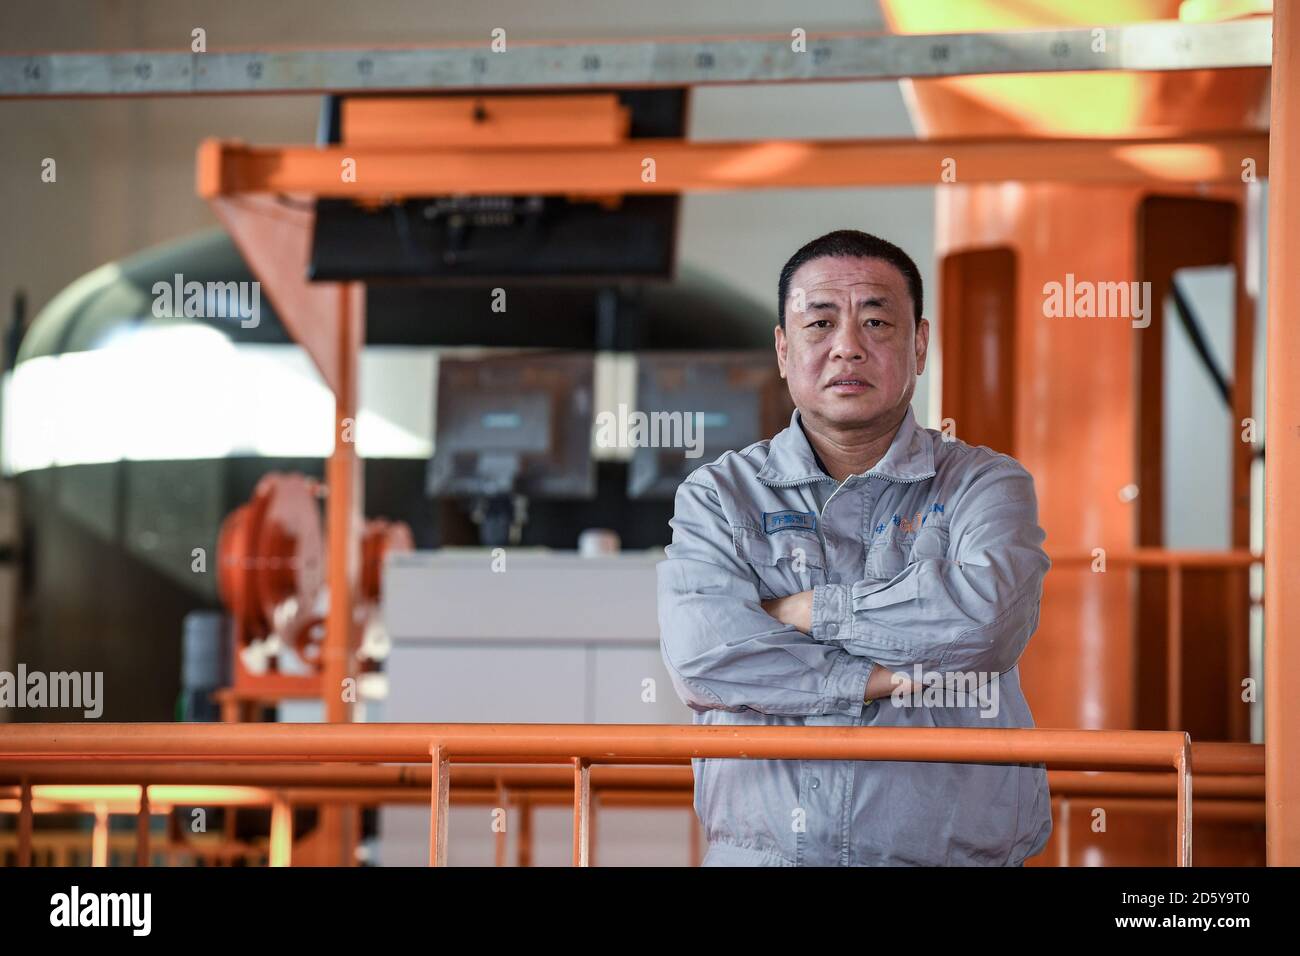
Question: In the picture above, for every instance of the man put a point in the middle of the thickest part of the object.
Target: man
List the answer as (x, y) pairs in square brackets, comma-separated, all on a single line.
[(856, 570)]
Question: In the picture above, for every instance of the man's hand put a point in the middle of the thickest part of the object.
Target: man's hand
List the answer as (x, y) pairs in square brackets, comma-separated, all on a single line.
[(795, 610)]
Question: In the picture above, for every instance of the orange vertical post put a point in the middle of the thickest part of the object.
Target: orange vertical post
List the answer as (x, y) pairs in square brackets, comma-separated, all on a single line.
[(343, 513), (1174, 647), (440, 798), (142, 829), (581, 810), (25, 823), (281, 849), (342, 532), (1282, 466), (99, 837)]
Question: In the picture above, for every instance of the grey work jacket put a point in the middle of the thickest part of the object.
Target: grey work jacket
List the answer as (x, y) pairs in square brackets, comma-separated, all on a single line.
[(929, 564)]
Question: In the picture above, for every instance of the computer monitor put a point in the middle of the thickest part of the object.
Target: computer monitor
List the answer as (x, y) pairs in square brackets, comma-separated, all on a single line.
[(516, 424), (736, 398)]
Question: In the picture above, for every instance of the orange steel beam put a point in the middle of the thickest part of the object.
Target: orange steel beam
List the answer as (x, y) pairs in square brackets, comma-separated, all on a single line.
[(1282, 465), (232, 168), (597, 119)]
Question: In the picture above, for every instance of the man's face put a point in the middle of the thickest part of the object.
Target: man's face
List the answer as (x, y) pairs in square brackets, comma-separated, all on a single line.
[(851, 356)]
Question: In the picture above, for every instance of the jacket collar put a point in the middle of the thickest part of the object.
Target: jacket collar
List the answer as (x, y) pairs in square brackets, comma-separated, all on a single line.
[(790, 458)]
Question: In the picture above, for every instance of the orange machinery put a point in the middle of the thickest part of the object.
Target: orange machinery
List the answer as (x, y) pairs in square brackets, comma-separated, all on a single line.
[(271, 557)]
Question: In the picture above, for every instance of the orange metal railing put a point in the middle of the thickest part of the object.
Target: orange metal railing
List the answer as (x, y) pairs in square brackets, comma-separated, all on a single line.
[(583, 746), (1174, 563)]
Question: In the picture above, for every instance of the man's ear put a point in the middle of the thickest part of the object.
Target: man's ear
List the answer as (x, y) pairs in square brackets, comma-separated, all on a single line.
[(922, 344), (780, 350)]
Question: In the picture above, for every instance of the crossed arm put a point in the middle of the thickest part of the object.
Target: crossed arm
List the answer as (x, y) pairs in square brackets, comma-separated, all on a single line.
[(971, 604)]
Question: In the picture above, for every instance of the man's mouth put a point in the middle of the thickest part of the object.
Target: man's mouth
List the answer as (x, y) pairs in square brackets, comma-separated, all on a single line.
[(848, 385)]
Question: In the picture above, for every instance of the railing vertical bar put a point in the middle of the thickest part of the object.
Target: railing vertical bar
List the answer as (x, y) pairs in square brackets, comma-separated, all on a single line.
[(1184, 768), (25, 823), (581, 811), (1063, 852), (142, 822), (500, 848), (525, 846), (1174, 646), (281, 849), (99, 837), (439, 800)]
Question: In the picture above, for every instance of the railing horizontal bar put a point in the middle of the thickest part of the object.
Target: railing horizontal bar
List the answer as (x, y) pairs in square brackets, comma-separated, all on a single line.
[(321, 743)]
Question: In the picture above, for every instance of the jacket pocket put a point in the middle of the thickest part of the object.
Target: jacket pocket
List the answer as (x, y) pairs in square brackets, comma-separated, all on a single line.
[(785, 562), (890, 558)]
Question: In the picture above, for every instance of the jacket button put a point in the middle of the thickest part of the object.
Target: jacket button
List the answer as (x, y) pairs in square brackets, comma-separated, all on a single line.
[(833, 578), (815, 783), (832, 628)]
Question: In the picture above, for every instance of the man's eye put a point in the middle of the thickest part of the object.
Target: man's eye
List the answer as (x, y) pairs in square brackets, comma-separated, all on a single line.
[(879, 323), (820, 324)]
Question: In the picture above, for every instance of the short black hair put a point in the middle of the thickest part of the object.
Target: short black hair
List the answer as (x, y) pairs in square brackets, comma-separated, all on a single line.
[(852, 244)]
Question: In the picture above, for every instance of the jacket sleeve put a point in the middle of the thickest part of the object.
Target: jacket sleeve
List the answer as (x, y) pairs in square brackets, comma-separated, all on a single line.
[(967, 602), (722, 650)]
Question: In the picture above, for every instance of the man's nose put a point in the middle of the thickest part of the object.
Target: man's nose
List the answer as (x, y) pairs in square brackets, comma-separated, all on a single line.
[(847, 345)]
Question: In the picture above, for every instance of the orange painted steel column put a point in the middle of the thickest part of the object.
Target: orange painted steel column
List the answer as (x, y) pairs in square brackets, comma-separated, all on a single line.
[(343, 512), (343, 537), (1282, 465)]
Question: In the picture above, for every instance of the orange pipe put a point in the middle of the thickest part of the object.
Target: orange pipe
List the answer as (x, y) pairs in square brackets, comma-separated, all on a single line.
[(525, 743)]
